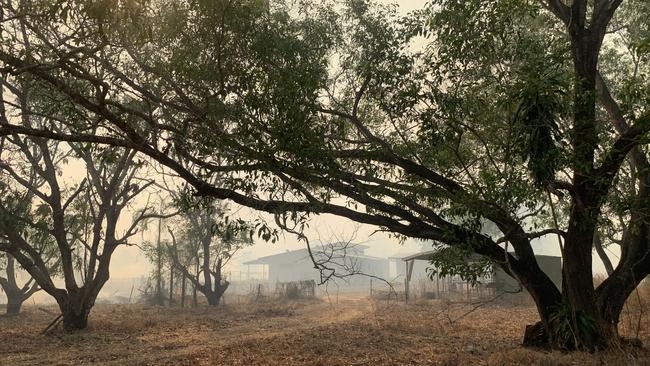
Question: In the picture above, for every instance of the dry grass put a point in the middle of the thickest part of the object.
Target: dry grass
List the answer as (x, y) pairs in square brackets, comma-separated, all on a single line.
[(635, 319), (353, 331)]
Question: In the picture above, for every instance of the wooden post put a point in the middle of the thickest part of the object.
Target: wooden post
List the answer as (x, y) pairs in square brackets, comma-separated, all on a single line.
[(131, 294), (171, 286), (195, 300), (183, 292), (406, 290), (159, 295)]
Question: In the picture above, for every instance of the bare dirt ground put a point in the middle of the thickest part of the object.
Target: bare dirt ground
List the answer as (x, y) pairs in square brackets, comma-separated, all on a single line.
[(350, 331)]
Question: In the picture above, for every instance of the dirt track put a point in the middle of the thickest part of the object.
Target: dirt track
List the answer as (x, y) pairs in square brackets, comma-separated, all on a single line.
[(134, 334), (352, 331)]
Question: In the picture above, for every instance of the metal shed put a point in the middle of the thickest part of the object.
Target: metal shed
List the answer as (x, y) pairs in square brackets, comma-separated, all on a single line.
[(296, 265), (499, 280)]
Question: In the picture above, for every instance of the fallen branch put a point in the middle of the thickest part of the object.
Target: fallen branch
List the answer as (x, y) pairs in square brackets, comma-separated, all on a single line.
[(52, 324)]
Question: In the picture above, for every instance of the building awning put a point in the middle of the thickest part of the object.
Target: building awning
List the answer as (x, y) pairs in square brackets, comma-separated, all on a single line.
[(259, 261), (419, 256), (426, 255)]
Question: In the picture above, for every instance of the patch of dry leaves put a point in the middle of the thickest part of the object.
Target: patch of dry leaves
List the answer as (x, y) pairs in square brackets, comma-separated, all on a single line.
[(351, 331)]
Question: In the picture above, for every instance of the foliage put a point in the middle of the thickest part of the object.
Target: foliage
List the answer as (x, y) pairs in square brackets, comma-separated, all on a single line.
[(562, 326), (536, 128), (453, 261)]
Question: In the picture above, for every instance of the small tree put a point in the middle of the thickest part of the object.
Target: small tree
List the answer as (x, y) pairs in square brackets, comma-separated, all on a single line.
[(205, 238), (82, 221), (15, 202), (15, 293)]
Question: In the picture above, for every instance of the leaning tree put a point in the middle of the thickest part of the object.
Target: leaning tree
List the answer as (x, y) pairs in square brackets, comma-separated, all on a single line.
[(509, 116)]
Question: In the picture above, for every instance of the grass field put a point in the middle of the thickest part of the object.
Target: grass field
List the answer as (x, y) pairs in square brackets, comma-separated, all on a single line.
[(347, 331)]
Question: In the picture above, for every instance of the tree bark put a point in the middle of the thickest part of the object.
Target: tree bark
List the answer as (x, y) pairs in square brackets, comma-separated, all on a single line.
[(600, 250), (14, 303), (75, 308), (213, 298), (215, 295)]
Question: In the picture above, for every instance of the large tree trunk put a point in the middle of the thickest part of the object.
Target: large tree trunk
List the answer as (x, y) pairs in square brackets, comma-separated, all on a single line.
[(587, 319), (213, 298), (75, 310), (14, 302), (558, 333), (75, 303), (577, 322), (215, 294), (569, 320)]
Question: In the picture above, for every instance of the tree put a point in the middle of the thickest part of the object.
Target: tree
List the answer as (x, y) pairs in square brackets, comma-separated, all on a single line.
[(206, 238), (313, 109), (16, 202), (16, 294), (82, 220)]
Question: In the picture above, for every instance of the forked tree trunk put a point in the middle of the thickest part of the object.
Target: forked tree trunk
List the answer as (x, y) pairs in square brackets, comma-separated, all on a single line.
[(572, 319), (16, 295), (215, 295), (75, 308), (77, 302), (214, 299)]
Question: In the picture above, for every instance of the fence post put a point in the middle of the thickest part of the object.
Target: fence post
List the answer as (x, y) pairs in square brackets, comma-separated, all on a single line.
[(406, 291)]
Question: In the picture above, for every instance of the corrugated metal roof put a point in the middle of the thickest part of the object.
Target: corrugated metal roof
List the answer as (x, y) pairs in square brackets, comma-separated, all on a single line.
[(316, 252)]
